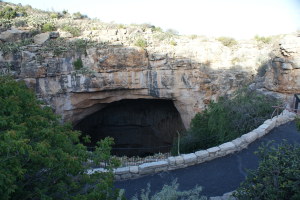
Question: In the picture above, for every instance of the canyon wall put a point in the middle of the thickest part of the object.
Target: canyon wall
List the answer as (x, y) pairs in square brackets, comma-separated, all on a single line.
[(191, 73)]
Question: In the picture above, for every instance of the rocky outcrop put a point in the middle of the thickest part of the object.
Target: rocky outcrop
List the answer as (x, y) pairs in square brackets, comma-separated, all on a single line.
[(283, 73), (191, 74)]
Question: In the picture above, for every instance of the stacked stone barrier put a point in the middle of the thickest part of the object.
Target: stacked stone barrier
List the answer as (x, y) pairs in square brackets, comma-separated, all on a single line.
[(185, 160)]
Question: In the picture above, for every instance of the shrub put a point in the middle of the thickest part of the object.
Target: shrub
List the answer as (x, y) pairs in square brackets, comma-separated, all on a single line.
[(78, 15), (8, 13), (47, 27), (193, 36), (13, 47), (173, 43), (264, 40), (171, 192), (226, 120), (277, 176), (75, 31), (55, 15), (156, 29), (227, 41), (43, 159), (78, 64), (141, 43)]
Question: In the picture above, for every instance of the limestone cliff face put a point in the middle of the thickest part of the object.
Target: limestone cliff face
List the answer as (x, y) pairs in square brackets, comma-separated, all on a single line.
[(191, 74), (283, 73)]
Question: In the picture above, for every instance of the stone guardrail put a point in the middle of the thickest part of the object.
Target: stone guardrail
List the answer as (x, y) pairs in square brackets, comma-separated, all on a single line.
[(185, 160)]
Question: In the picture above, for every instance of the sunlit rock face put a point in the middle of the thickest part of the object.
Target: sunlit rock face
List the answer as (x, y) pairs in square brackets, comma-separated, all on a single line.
[(191, 74), (283, 73), (139, 127)]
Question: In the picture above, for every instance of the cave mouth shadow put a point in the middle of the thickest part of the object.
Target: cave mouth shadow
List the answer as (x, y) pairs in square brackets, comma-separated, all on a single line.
[(140, 127)]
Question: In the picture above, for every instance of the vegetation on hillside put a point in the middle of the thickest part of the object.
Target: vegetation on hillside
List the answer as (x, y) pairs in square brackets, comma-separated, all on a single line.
[(226, 120), (42, 159), (171, 192), (227, 41), (277, 176)]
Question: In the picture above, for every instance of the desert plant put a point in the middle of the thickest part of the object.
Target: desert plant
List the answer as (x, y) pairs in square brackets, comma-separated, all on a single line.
[(277, 176), (227, 41), (156, 29), (264, 40), (171, 192), (47, 27), (55, 15), (78, 64), (193, 36), (8, 12), (78, 15), (75, 31), (13, 47), (141, 43), (173, 43), (226, 119)]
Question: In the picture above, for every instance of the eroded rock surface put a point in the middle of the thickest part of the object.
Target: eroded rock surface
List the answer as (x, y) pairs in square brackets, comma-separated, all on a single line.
[(191, 74)]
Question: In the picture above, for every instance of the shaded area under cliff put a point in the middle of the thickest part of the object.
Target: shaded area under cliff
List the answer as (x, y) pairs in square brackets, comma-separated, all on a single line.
[(139, 127)]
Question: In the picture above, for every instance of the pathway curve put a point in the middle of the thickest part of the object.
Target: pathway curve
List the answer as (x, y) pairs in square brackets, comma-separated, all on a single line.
[(217, 176)]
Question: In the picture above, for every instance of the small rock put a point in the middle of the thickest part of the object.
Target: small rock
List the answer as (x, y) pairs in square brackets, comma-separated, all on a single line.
[(122, 170), (54, 35), (287, 66), (13, 35), (41, 38), (189, 158), (179, 160), (65, 34), (134, 169), (227, 146), (213, 150)]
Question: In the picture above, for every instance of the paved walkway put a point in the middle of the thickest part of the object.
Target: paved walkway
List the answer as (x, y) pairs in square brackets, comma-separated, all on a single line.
[(217, 176)]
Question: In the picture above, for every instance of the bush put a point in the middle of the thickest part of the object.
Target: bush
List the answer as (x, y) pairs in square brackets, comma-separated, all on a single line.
[(42, 159), (277, 176), (8, 13), (55, 15), (73, 30), (226, 120), (170, 192), (264, 40), (48, 27), (141, 43), (227, 41), (78, 64), (13, 47), (78, 15), (173, 43)]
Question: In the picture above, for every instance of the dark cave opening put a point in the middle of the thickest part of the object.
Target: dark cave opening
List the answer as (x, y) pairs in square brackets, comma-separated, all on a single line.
[(140, 127)]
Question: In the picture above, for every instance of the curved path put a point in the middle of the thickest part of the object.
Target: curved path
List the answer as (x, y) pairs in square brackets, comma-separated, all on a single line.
[(217, 176)]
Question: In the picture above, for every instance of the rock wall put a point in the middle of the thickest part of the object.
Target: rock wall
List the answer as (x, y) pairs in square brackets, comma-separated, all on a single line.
[(283, 73), (191, 74)]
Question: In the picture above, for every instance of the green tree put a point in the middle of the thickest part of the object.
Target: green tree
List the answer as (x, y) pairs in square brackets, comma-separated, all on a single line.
[(226, 120), (42, 159), (277, 176)]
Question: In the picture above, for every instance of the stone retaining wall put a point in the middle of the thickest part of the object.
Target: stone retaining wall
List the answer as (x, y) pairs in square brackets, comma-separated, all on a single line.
[(184, 160)]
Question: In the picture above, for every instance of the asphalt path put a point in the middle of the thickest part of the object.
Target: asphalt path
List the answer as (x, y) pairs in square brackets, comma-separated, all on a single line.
[(217, 176)]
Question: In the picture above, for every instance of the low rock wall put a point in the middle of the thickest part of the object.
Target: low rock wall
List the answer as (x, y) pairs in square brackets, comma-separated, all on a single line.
[(184, 160)]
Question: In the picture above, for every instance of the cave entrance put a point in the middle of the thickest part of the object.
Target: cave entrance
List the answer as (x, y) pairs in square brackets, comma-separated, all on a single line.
[(140, 127)]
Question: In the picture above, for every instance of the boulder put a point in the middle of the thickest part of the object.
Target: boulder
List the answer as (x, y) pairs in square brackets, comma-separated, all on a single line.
[(41, 38), (13, 35)]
